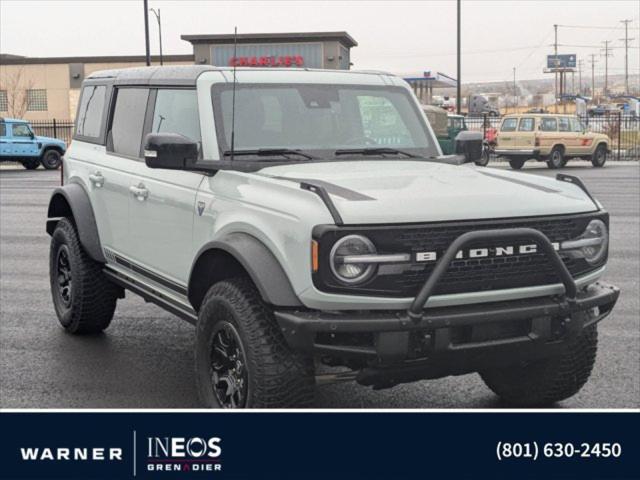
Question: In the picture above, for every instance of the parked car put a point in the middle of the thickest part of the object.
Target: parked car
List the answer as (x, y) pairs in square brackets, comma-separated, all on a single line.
[(296, 239), (549, 138), (453, 135), (18, 143), (599, 110)]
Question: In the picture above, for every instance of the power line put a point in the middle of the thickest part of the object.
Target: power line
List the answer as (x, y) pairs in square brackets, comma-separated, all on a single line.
[(594, 27)]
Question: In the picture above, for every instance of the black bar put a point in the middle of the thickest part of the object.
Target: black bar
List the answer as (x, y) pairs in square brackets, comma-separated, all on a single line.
[(146, 31), (322, 193), (619, 132), (415, 310), (459, 74)]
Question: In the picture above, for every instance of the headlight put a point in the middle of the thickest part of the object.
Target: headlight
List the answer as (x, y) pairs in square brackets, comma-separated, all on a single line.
[(344, 266), (591, 245)]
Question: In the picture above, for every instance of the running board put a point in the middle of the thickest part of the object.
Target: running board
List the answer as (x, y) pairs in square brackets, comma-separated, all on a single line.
[(151, 295)]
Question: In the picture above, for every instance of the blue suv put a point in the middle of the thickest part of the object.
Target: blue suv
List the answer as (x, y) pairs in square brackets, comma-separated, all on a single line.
[(18, 143)]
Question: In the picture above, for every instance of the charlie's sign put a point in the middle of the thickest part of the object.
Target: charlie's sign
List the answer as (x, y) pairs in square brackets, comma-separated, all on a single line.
[(268, 61)]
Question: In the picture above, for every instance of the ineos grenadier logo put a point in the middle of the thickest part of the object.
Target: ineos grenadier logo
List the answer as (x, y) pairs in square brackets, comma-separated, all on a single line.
[(180, 454)]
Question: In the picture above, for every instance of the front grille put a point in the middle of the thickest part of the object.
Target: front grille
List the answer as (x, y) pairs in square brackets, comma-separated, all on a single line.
[(463, 275)]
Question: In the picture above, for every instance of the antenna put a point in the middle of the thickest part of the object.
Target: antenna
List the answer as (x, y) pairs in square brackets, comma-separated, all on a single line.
[(233, 95)]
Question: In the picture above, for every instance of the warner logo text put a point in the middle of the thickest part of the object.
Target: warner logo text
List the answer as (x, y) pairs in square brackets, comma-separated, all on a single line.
[(180, 454)]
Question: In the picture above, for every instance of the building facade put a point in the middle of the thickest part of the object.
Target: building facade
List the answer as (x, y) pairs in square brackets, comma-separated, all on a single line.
[(330, 50), (48, 88)]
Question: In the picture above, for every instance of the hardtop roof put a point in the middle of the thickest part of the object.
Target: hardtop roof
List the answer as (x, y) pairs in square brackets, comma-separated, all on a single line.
[(188, 74)]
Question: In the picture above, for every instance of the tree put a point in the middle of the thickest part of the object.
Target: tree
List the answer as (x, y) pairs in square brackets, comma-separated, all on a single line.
[(16, 87)]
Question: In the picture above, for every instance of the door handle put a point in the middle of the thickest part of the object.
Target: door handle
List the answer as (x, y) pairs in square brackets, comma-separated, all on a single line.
[(139, 191), (96, 179)]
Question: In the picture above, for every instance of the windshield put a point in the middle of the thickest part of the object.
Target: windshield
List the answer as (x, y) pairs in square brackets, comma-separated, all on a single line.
[(320, 118)]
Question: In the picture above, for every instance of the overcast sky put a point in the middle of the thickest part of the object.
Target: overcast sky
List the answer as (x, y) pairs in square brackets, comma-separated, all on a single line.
[(400, 37)]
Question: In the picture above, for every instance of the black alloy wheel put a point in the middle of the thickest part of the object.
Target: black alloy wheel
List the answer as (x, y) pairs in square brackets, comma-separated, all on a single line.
[(229, 374), (63, 273)]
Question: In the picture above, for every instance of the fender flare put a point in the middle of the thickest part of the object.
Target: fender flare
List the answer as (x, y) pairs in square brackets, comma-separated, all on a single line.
[(73, 200), (257, 260)]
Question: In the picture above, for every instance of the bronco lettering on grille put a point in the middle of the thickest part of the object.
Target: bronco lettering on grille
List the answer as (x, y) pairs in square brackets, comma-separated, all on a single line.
[(487, 252)]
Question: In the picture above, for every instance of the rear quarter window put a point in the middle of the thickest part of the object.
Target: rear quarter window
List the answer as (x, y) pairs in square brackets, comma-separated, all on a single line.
[(509, 125), (90, 112)]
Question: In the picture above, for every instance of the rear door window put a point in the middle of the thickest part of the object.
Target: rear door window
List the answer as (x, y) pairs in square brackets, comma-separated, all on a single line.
[(549, 125), (3, 130), (128, 121), (89, 121), (526, 124), (509, 125)]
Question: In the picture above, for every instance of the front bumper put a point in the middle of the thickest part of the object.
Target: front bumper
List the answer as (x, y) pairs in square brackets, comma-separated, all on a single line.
[(523, 153), (393, 336)]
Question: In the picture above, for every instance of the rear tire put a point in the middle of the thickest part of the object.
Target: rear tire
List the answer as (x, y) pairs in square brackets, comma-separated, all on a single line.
[(547, 381), (51, 159), (242, 358), (556, 159), (31, 163), (516, 163), (83, 298), (599, 157)]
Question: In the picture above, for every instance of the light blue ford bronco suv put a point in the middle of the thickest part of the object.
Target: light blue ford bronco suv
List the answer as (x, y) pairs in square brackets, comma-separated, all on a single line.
[(18, 143)]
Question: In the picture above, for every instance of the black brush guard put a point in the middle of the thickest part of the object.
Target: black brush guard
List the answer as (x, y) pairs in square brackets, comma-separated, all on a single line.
[(394, 331)]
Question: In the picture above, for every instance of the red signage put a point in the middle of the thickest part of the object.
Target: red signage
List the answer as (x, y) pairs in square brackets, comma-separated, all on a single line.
[(268, 61)]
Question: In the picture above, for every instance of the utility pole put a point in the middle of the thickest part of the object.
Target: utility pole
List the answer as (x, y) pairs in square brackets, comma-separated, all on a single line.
[(146, 31), (459, 74), (555, 52), (626, 40), (515, 94), (606, 65), (157, 14), (580, 63), (593, 76)]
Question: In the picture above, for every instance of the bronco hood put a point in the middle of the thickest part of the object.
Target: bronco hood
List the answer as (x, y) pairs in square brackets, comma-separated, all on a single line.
[(369, 192)]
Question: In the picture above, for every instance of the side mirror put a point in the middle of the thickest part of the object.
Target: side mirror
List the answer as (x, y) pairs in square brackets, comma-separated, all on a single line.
[(170, 151), (469, 145)]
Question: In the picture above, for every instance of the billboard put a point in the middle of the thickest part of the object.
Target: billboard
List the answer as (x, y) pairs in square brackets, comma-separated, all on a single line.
[(561, 61)]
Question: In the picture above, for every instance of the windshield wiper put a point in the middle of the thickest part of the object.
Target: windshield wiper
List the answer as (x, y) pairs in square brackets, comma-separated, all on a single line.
[(374, 151), (268, 152)]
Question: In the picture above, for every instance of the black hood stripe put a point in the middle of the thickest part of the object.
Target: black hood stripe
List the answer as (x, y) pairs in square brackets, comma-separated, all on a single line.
[(332, 188), (520, 182)]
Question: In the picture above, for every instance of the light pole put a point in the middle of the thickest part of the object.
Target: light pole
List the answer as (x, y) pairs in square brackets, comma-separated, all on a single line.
[(157, 14), (459, 67), (146, 31)]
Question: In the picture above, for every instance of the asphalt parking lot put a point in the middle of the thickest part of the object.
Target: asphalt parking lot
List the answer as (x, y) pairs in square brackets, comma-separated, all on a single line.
[(144, 360)]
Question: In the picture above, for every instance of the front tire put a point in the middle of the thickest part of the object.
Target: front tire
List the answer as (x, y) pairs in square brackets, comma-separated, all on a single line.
[(516, 163), (556, 159), (242, 358), (483, 161), (83, 298), (599, 157), (30, 163), (51, 159), (550, 380)]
